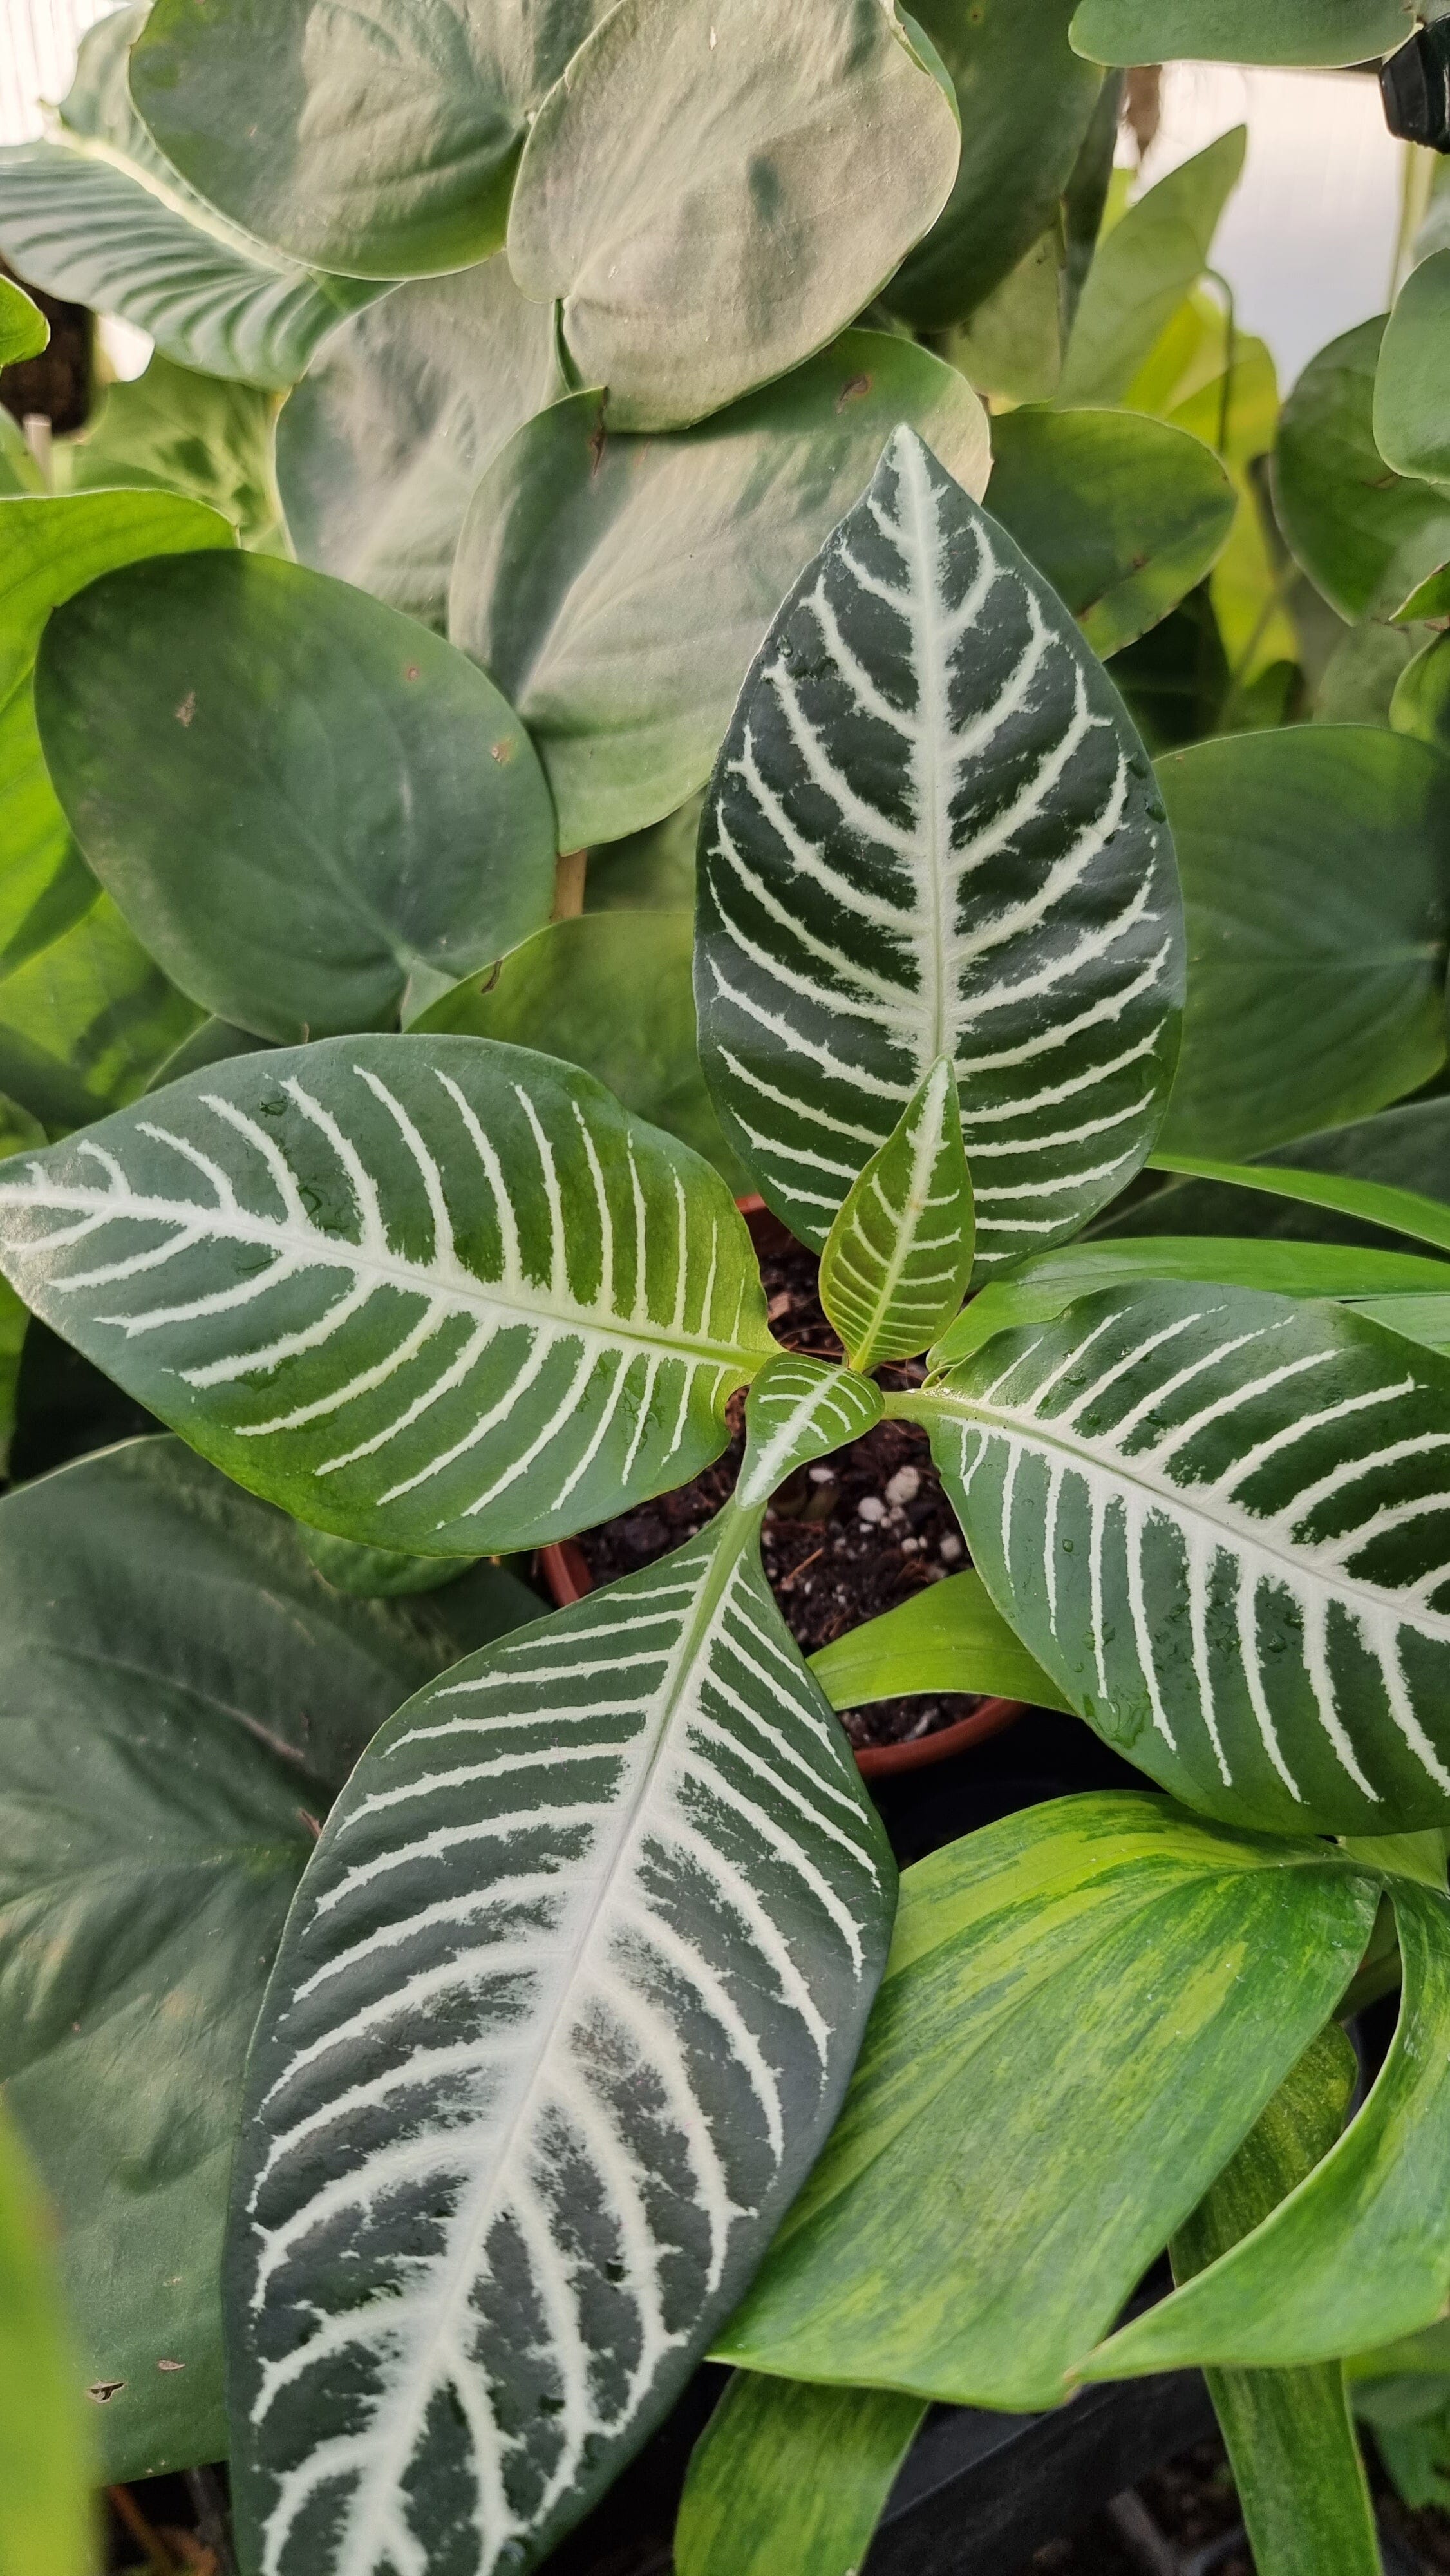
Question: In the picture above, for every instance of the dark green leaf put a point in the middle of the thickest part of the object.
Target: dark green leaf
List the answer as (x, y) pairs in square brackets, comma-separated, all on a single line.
[(1154, 254), (184, 1697), (947, 1637), (1405, 1148), (86, 1021), (1331, 32), (789, 2476), (306, 806), (1365, 535), (375, 1573)]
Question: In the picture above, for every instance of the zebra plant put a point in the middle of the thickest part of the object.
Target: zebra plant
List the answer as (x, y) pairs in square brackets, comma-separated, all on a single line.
[(569, 2001)]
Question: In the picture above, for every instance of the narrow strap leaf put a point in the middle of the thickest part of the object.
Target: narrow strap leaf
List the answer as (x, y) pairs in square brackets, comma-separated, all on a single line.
[(948, 1637), (787, 2476), (1399, 1211), (562, 2017), (1360, 2252), (799, 1409), (899, 1255)]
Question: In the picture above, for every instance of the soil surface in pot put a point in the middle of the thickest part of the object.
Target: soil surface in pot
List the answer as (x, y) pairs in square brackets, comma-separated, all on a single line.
[(845, 1540)]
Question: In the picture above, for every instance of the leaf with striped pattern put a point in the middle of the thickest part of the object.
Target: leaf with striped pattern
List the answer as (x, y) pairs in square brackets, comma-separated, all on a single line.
[(899, 1256), (562, 2017), (1221, 1520), (436, 1294), (801, 1409), (932, 829)]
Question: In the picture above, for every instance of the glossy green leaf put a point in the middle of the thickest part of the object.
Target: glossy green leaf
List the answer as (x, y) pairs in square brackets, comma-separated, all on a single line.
[(899, 1254), (1364, 534), (1330, 32), (786, 2475), (1421, 702), (304, 805), (434, 1294), (1141, 273), (799, 1409), (380, 446), (1379, 1203), (379, 144), (45, 2468), (705, 140), (173, 430), (1025, 100), (1313, 865), (1360, 2251), (184, 1697), (1027, 2123), (563, 2015), (98, 216), (1122, 513), (86, 1021), (1412, 383), (24, 329), (948, 1637), (1290, 2435), (929, 813), (574, 991), (617, 588), (1219, 1518)]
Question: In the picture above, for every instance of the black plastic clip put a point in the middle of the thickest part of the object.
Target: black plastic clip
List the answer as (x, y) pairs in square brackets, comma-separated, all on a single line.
[(1415, 85)]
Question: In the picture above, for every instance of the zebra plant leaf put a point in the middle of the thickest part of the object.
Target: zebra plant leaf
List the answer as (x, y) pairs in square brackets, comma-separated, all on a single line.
[(562, 2017), (435, 1294), (932, 830), (899, 1256), (800, 1409), (1221, 1520)]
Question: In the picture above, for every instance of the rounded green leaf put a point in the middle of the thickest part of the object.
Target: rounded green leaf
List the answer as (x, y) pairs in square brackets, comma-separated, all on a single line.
[(1364, 534), (24, 329), (378, 143), (434, 1294), (380, 446), (694, 157), (1025, 100), (1317, 900), (184, 1698), (1412, 387), (617, 588), (1123, 514), (1329, 32), (1142, 271), (301, 801)]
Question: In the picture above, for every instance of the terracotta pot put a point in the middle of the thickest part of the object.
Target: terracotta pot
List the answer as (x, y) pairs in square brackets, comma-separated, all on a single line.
[(566, 1572)]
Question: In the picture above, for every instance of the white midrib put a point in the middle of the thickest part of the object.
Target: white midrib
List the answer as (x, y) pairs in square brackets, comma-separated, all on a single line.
[(472, 2229), (1238, 1529), (926, 1149), (939, 1036), (311, 1249)]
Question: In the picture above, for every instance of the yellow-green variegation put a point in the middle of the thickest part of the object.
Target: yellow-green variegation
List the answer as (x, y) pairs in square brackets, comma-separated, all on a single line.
[(899, 1255)]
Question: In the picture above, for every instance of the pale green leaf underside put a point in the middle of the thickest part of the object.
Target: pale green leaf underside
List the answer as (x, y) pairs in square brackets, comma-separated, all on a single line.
[(563, 2015), (899, 1255), (438, 1295)]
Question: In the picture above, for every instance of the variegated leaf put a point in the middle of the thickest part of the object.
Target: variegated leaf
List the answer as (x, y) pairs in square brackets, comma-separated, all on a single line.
[(1222, 1522), (899, 1256), (436, 1294), (932, 829), (800, 1409), (562, 2017)]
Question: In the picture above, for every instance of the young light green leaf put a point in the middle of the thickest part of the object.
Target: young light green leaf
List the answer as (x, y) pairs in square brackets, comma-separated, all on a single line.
[(695, 138), (438, 1295), (1329, 32), (1314, 889), (1360, 2251), (332, 807), (1140, 275), (376, 145), (604, 1912), (45, 2468), (1222, 1520), (947, 1637), (182, 1697), (1020, 2038), (24, 329), (1381, 1203), (1365, 535), (1411, 386), (789, 2476), (930, 813), (899, 1255), (799, 1409), (616, 588), (1290, 2434), (1122, 513)]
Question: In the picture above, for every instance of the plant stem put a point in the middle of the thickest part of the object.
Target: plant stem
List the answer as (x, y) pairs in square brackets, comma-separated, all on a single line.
[(569, 885)]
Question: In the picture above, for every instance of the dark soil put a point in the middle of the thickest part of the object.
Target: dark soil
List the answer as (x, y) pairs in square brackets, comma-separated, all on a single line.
[(843, 1541)]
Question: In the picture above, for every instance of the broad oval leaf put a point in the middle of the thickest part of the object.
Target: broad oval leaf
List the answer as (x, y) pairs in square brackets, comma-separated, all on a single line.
[(380, 446), (616, 588), (304, 805), (182, 1698), (1021, 2041), (1328, 32), (377, 144), (933, 829), (1317, 900), (562, 2017), (45, 2469), (24, 329), (899, 1255), (1141, 273), (1411, 386), (1365, 535), (697, 147), (1222, 1522), (435, 1294)]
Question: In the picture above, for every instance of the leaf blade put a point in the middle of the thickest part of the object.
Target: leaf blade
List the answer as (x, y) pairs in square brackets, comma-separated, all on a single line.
[(899, 1254)]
